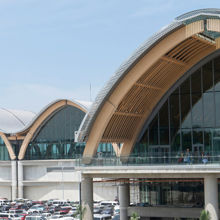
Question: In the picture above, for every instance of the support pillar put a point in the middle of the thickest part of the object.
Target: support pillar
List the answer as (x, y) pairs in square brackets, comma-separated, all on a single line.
[(13, 180), (87, 197), (20, 180), (211, 195), (124, 200)]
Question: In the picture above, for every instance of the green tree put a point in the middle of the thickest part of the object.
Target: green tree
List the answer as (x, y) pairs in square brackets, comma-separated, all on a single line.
[(204, 215), (134, 216)]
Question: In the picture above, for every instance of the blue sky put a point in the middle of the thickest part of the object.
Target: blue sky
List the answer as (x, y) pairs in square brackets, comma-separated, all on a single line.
[(55, 48)]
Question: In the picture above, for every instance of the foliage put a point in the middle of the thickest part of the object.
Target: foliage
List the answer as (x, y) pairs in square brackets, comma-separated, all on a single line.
[(80, 211), (134, 216), (204, 215)]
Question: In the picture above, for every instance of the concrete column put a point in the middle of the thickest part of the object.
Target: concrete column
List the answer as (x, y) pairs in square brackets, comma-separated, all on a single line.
[(20, 180), (124, 200), (211, 195), (87, 197), (13, 180)]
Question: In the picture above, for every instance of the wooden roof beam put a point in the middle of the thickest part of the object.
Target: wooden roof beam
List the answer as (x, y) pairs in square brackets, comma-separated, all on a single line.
[(172, 60), (147, 86), (14, 138), (204, 39), (129, 114)]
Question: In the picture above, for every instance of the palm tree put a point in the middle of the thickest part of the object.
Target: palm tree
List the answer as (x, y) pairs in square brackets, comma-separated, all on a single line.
[(134, 216), (204, 215)]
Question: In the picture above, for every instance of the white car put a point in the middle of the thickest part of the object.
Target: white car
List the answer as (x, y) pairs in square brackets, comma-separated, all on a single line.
[(36, 209), (102, 217)]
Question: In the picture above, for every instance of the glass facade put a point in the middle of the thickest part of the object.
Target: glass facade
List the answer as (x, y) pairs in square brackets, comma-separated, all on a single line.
[(188, 123), (172, 192), (4, 155), (55, 139), (105, 150)]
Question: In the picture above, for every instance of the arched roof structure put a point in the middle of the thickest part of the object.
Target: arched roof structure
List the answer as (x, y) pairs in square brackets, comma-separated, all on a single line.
[(12, 120), (131, 95), (43, 116)]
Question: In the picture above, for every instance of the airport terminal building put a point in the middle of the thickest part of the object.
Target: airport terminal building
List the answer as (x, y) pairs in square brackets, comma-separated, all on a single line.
[(151, 137)]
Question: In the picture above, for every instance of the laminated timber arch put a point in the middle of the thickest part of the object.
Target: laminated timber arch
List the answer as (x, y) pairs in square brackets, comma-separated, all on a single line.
[(121, 115), (50, 110), (8, 146)]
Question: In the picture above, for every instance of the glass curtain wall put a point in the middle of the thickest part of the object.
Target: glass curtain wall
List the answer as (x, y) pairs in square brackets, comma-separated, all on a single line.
[(189, 120), (172, 192), (55, 139), (105, 150), (4, 155)]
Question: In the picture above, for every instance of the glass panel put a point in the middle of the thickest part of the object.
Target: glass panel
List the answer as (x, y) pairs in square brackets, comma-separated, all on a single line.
[(207, 77), (153, 132), (4, 155), (185, 111), (197, 111), (185, 87), (217, 109), (186, 139), (164, 125), (196, 82), (216, 139), (175, 141), (217, 73), (209, 113), (174, 112), (197, 147), (144, 138), (197, 137), (105, 150), (207, 140)]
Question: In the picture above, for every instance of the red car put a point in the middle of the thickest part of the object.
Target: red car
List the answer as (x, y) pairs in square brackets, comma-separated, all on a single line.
[(64, 210), (23, 216)]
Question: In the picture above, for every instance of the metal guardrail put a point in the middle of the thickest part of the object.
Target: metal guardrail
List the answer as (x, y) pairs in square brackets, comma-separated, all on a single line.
[(149, 160), (137, 160)]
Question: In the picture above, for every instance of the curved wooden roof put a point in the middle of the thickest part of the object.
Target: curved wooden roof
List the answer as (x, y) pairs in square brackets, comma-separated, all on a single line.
[(121, 115)]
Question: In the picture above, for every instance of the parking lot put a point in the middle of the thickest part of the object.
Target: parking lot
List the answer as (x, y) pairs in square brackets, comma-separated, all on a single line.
[(24, 209)]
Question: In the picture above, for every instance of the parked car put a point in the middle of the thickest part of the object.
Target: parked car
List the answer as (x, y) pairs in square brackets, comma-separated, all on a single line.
[(65, 209), (102, 217), (16, 211), (35, 217), (36, 209), (116, 217)]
